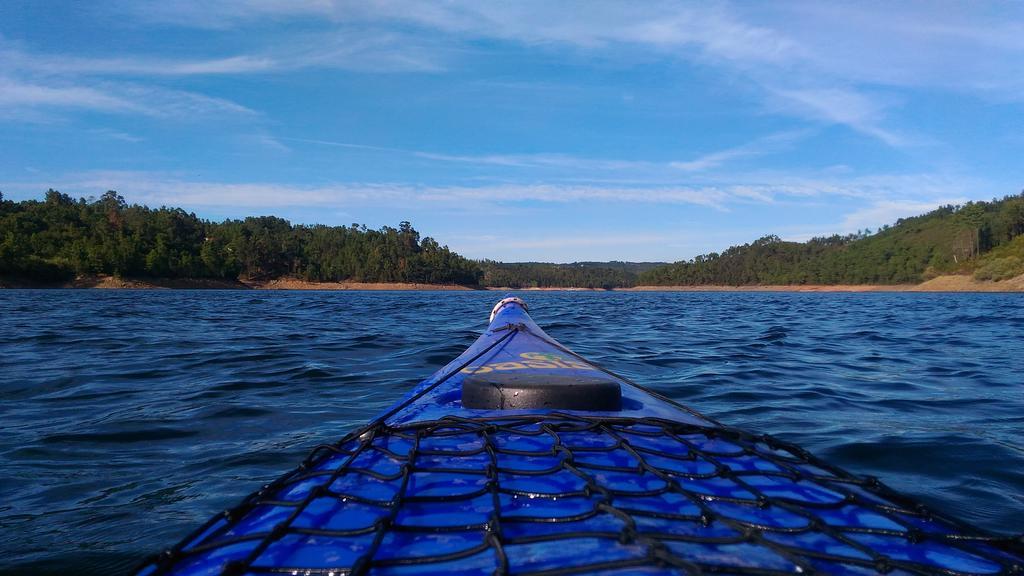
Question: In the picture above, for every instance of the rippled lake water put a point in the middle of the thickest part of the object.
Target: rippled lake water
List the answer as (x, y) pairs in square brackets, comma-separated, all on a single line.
[(129, 417)]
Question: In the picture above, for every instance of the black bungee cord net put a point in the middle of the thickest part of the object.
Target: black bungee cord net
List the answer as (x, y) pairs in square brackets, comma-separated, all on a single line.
[(639, 487), (660, 534)]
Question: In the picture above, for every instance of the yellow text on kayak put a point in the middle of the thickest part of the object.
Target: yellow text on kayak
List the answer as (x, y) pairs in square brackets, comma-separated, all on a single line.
[(532, 360)]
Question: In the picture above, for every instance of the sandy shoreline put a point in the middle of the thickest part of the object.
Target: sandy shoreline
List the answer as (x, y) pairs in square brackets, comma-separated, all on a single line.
[(293, 284), (939, 284), (950, 283), (780, 288), (114, 283)]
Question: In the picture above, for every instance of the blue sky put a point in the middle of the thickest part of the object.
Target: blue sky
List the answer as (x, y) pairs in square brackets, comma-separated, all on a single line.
[(521, 131)]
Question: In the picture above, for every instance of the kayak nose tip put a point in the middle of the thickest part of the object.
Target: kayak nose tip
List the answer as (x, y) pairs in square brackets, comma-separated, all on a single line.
[(507, 301)]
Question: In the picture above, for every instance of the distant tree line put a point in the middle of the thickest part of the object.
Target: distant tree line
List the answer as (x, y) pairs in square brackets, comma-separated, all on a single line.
[(60, 237), (605, 275), (981, 236)]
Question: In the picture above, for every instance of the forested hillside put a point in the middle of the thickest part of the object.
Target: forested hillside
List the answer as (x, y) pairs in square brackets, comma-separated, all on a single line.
[(978, 236), (578, 274), (60, 237)]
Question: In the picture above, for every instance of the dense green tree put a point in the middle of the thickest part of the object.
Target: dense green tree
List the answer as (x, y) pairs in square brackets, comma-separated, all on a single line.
[(59, 237), (949, 239)]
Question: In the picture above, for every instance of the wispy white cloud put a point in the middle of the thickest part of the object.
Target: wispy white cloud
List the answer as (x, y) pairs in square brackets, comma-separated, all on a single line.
[(18, 95), (517, 193), (851, 108), (171, 189), (888, 192), (855, 202), (266, 141), (349, 145), (487, 243), (765, 145), (117, 135), (889, 211), (365, 49), (182, 104), (504, 160), (820, 62), (759, 147), (540, 161), (960, 48), (223, 14), (711, 29), (584, 244), (33, 82), (31, 85), (922, 188), (356, 49), (14, 58)]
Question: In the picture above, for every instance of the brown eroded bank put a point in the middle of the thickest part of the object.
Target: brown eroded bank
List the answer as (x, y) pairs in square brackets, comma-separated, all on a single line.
[(952, 283)]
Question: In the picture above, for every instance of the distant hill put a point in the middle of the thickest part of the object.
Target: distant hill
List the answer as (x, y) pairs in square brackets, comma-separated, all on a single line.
[(613, 274), (60, 238), (634, 267), (979, 237)]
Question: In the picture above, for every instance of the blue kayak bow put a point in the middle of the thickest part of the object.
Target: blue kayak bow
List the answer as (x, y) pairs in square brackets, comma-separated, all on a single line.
[(521, 457)]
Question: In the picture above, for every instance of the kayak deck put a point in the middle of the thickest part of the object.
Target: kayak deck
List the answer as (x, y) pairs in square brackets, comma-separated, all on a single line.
[(512, 345), (434, 487), (562, 493)]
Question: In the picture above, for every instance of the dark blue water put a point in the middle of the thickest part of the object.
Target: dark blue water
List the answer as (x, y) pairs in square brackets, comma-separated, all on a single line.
[(127, 418)]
